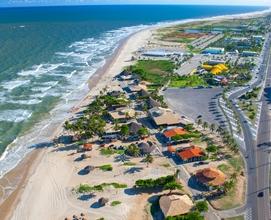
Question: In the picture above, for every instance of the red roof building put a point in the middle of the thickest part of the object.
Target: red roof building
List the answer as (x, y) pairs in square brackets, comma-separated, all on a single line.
[(191, 154), (87, 147), (173, 132)]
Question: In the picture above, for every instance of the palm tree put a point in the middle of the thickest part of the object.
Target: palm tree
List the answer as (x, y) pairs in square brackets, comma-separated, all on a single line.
[(205, 125), (228, 185), (212, 127), (173, 186), (177, 173), (199, 121), (148, 159)]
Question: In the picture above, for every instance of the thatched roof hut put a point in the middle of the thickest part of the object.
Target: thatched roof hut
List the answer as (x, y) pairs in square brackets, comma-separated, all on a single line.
[(174, 205), (134, 127), (102, 201), (146, 148)]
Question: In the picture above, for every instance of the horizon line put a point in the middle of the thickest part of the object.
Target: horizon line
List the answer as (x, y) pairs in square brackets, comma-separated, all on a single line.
[(131, 4)]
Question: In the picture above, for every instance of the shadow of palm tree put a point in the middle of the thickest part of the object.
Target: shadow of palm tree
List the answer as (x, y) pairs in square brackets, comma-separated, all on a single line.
[(133, 170)]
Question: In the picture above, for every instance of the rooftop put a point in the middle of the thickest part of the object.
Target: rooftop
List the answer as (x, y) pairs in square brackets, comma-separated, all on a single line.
[(173, 205), (191, 152), (174, 131), (163, 116), (211, 176)]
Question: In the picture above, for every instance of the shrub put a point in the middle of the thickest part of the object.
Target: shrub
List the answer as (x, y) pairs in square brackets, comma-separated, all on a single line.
[(202, 206), (115, 203), (106, 167)]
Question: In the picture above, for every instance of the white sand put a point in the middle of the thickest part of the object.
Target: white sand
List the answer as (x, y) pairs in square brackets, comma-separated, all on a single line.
[(47, 194)]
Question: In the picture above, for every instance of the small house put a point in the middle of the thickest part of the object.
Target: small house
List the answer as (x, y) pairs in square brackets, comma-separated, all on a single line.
[(191, 154)]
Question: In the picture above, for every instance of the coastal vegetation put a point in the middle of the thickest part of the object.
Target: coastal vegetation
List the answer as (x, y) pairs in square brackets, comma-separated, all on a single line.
[(87, 188)]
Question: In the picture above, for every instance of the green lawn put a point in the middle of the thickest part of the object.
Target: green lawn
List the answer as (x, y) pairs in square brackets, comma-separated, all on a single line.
[(187, 81), (154, 71)]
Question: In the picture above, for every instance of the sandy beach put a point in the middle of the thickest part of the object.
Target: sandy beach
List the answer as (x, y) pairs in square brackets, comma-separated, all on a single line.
[(40, 187)]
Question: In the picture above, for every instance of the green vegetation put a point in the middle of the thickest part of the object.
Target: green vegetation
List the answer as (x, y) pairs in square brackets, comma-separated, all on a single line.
[(187, 136), (187, 81), (224, 168), (252, 94), (202, 206), (236, 163), (132, 150), (86, 188), (115, 203), (109, 151), (172, 186), (106, 167), (190, 216), (148, 159), (166, 183), (154, 71), (92, 122), (143, 132)]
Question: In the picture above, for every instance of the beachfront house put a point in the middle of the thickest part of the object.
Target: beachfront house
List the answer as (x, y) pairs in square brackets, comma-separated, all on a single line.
[(164, 117), (210, 177), (175, 205), (191, 154)]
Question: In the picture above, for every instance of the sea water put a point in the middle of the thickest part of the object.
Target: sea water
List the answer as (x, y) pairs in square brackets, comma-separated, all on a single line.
[(47, 54)]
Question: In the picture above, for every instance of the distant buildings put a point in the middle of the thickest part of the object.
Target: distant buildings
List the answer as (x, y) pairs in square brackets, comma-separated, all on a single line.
[(214, 50), (249, 53)]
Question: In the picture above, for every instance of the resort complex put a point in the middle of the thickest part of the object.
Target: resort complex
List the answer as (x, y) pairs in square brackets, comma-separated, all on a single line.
[(173, 132)]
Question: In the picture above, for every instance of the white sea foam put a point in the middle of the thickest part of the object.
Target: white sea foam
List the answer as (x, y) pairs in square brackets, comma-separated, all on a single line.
[(17, 115), (40, 69), (25, 102), (10, 85)]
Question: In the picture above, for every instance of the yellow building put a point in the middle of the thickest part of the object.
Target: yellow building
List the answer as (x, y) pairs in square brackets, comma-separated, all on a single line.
[(217, 69)]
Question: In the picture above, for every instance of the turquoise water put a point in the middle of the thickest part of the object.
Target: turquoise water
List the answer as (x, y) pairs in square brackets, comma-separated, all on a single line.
[(48, 53)]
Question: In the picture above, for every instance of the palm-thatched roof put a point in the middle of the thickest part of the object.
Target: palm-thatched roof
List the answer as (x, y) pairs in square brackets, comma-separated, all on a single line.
[(146, 148)]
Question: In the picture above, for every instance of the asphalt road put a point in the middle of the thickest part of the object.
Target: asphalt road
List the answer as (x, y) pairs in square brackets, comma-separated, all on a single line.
[(257, 151)]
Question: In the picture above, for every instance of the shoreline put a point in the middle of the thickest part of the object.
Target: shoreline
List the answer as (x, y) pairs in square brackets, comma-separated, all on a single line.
[(28, 165)]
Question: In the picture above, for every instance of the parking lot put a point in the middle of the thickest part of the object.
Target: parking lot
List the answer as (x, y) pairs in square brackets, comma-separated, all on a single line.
[(193, 102)]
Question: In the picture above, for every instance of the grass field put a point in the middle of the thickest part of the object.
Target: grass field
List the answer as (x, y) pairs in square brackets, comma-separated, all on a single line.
[(154, 71), (187, 81)]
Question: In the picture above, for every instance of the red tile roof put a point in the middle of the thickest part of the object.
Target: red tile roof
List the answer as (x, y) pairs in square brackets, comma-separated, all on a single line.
[(175, 131), (190, 153), (171, 149), (87, 146)]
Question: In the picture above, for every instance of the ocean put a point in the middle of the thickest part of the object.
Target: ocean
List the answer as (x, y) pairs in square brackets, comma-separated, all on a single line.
[(47, 55)]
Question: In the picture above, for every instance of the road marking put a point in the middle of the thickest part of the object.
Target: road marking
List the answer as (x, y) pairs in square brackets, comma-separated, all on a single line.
[(248, 214)]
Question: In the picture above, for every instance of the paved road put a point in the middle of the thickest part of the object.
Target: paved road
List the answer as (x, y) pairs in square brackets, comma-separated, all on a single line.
[(257, 150)]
